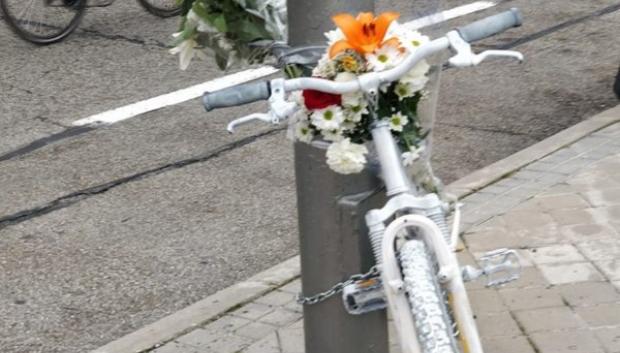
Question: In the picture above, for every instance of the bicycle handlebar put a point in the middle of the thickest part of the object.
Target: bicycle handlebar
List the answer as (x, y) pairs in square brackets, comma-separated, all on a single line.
[(490, 26), (237, 95), (256, 91)]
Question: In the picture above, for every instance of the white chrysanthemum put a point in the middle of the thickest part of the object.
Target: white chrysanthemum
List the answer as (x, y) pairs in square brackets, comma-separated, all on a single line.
[(355, 113), (332, 135), (412, 155), (398, 121), (329, 118), (334, 36), (303, 131), (384, 58), (345, 157), (416, 79), (187, 51), (325, 68), (409, 39), (404, 90), (348, 125)]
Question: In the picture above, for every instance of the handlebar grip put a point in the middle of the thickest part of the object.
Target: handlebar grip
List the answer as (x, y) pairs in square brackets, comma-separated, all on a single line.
[(237, 95), (490, 26)]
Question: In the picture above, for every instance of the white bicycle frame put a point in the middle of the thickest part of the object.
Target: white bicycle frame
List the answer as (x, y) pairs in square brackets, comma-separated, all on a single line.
[(399, 189)]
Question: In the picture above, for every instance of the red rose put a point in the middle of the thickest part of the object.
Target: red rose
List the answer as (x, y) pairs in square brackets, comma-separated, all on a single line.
[(320, 100)]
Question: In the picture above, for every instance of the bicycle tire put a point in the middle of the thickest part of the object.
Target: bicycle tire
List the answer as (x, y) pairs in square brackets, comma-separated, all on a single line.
[(433, 322), (160, 11), (62, 33)]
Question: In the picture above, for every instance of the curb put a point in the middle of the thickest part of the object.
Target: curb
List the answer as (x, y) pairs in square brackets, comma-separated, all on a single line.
[(216, 305)]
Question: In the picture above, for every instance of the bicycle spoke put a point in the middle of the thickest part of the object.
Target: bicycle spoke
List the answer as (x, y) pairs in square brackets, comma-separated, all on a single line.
[(41, 18)]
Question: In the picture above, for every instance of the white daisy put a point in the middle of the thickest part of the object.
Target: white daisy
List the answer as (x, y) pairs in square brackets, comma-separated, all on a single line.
[(384, 58), (329, 118), (404, 90), (345, 157), (412, 155), (415, 79), (332, 135), (355, 113), (398, 121), (303, 131), (411, 40)]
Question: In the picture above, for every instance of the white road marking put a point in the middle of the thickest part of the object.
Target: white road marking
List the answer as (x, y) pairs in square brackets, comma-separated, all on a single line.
[(450, 14), (180, 96), (183, 95)]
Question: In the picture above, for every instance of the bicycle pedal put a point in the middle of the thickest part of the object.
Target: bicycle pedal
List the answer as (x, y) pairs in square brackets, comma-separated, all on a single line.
[(364, 296), (499, 266)]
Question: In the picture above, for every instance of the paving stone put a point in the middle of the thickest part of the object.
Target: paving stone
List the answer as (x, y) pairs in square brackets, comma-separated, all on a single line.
[(269, 344), (609, 338), (291, 340), (294, 306), (572, 341), (227, 324), (546, 319), (531, 298), (479, 197), (293, 287), (570, 273), (255, 330), (610, 269), (600, 249), (530, 277), (600, 315), (176, 347), (486, 301), (515, 344), (571, 216), (588, 293), (276, 298), (497, 325), (555, 254), (600, 198), (559, 202), (212, 341), (526, 219), (253, 311), (491, 240), (280, 317), (584, 232)]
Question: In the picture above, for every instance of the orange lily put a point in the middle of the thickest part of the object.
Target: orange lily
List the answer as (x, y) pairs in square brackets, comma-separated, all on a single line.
[(363, 34)]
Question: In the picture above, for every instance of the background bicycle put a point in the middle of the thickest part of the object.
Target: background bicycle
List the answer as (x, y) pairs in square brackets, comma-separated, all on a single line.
[(50, 21)]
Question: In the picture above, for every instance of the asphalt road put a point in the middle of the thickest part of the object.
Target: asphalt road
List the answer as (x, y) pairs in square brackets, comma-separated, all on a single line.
[(104, 232)]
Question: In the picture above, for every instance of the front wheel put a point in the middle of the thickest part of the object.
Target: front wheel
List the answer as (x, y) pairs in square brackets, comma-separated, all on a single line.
[(43, 21), (433, 322), (162, 8)]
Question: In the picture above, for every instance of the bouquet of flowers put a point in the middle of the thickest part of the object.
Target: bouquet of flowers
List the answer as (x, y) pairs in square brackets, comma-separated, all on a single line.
[(364, 44), (231, 30)]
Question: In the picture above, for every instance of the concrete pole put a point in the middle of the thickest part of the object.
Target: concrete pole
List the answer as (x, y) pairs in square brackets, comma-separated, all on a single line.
[(333, 237)]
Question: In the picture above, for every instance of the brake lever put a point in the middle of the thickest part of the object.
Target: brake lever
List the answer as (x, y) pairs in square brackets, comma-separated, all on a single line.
[(266, 117), (466, 57), (280, 108)]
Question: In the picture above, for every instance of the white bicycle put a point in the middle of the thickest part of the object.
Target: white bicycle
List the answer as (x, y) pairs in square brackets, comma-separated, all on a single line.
[(419, 279)]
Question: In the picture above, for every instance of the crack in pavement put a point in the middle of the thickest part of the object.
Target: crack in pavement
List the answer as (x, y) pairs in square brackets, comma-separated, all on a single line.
[(77, 196), (85, 32), (537, 35), (497, 131)]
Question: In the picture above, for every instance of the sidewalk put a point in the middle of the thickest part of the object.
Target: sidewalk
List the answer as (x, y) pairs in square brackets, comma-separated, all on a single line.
[(563, 214)]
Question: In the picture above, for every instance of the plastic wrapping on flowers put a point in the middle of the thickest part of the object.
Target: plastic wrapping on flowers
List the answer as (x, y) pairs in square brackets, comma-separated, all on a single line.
[(244, 31), (361, 44), (232, 31)]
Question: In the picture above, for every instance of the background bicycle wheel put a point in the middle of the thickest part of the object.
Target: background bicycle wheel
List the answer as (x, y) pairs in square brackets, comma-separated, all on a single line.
[(162, 8), (43, 22)]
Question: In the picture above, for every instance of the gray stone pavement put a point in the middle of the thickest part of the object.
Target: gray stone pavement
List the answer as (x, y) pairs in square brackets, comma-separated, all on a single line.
[(563, 214)]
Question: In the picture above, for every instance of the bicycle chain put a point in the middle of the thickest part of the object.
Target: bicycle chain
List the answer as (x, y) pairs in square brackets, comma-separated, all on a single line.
[(337, 288)]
